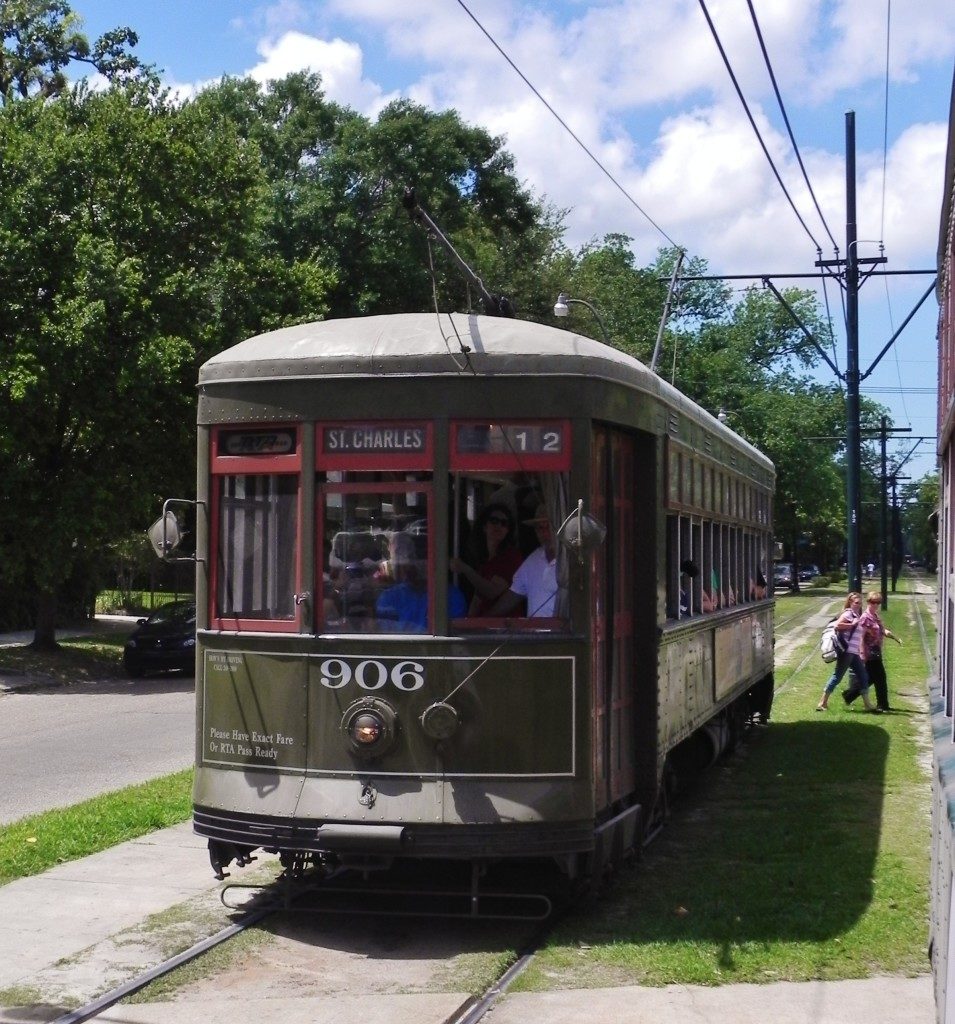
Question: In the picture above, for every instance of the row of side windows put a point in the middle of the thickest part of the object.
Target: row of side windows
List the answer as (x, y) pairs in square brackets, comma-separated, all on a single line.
[(712, 565)]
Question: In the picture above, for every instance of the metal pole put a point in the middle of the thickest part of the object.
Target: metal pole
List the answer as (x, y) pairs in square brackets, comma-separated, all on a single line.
[(884, 519), (666, 309), (853, 471)]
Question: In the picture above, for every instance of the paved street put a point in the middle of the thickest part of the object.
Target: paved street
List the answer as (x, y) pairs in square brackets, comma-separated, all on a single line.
[(60, 745)]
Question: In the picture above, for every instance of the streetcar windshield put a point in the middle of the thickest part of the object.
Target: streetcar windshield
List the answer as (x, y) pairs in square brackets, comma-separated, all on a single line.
[(377, 553)]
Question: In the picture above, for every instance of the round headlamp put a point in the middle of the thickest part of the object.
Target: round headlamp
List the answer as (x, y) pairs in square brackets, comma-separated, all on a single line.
[(369, 727), (366, 729)]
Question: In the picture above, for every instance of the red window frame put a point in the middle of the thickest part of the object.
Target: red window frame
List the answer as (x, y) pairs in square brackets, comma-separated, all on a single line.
[(370, 461), (266, 464)]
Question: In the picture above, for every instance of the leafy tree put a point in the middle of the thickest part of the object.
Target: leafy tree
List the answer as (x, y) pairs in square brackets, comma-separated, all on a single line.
[(336, 183), (629, 300), (39, 38), (920, 509), (127, 228)]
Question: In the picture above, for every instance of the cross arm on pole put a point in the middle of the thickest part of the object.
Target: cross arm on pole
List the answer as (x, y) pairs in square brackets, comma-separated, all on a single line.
[(905, 323), (805, 330)]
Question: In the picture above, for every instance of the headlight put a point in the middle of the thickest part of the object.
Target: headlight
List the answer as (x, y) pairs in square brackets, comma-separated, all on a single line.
[(369, 727), (190, 642), (366, 729)]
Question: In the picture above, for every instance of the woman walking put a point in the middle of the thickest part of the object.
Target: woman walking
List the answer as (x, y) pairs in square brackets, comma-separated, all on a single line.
[(874, 633), (850, 634)]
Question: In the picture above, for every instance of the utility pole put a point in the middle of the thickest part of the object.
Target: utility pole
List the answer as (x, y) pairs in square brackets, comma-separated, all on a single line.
[(884, 519), (853, 457), (847, 273)]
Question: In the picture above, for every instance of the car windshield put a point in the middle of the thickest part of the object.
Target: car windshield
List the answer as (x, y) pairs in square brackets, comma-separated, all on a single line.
[(178, 613)]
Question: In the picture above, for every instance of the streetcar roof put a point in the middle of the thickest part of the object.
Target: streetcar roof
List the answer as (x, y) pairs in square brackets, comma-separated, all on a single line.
[(424, 344)]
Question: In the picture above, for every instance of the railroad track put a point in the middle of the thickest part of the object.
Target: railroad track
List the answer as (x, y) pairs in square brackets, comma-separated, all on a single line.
[(133, 985), (471, 1010)]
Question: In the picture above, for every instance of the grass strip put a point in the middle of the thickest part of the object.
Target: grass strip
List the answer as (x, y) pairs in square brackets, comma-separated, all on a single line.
[(41, 841), (802, 856)]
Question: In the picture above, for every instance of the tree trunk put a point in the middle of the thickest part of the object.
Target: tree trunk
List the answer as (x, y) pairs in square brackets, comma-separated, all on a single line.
[(44, 632)]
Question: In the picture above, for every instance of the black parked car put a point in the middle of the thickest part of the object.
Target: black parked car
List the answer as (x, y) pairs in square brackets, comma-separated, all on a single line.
[(166, 640), (783, 574)]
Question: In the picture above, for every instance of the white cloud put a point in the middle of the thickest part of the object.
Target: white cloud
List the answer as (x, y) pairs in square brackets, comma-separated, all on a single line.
[(642, 84), (913, 194), (338, 62)]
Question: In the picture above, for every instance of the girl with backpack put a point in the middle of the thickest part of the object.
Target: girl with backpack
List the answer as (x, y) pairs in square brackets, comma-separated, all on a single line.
[(850, 636)]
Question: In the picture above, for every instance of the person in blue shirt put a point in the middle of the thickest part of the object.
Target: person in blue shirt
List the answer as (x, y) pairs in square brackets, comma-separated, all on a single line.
[(403, 607)]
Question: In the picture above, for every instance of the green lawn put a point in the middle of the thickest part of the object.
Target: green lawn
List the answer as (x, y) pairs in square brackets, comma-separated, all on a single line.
[(804, 855)]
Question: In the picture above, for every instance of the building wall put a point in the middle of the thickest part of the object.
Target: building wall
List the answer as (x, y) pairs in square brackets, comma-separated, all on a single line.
[(942, 925)]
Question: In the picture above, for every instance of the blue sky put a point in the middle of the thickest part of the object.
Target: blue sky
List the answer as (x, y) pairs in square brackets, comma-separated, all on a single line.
[(642, 84)]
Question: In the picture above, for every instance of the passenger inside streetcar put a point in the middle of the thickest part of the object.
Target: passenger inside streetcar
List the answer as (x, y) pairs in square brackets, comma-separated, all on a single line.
[(495, 555), (403, 607), (535, 581)]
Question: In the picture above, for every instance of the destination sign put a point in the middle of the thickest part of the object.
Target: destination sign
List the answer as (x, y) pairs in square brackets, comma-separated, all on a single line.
[(257, 442), (380, 438), (510, 438)]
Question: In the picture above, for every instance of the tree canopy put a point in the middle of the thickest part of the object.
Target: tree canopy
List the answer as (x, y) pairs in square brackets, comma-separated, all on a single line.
[(40, 38), (140, 235)]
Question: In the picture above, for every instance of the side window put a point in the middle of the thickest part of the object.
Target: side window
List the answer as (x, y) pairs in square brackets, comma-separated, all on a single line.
[(509, 491), (255, 527)]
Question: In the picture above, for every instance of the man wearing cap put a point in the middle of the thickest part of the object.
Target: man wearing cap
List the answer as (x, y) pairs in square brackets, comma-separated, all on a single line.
[(536, 578)]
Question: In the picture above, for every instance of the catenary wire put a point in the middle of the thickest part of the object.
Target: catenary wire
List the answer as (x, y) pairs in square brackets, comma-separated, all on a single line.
[(885, 118), (752, 121), (885, 161), (567, 128), (782, 110)]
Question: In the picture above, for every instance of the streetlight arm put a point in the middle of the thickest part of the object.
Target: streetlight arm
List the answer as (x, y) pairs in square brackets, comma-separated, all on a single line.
[(561, 309)]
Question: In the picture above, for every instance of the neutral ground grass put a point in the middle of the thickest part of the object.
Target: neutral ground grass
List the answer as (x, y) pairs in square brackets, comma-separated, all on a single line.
[(97, 656), (33, 844), (802, 856)]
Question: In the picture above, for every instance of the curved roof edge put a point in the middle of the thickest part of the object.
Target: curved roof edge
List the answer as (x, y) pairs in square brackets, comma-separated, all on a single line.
[(454, 344)]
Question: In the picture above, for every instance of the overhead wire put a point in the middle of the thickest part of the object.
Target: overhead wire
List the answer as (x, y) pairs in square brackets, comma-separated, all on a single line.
[(567, 127), (885, 162), (782, 110), (752, 121), (885, 118)]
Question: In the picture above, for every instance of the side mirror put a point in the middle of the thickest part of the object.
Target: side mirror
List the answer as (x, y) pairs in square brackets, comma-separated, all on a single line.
[(581, 531), (165, 535)]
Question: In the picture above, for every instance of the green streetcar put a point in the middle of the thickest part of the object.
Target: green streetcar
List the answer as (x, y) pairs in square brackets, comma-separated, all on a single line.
[(365, 696)]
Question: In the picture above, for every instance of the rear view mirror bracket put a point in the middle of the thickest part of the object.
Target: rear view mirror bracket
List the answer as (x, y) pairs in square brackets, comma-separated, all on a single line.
[(165, 535)]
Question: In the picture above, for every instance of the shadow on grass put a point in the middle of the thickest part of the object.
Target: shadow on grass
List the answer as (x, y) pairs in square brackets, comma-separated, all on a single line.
[(777, 843)]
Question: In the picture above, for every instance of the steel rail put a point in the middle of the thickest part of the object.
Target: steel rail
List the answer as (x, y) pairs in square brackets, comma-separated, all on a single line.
[(112, 997)]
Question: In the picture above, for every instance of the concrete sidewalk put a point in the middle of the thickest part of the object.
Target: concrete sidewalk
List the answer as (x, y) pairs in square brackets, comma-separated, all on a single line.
[(81, 927)]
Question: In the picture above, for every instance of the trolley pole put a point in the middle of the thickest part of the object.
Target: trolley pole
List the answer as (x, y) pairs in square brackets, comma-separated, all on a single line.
[(853, 471)]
